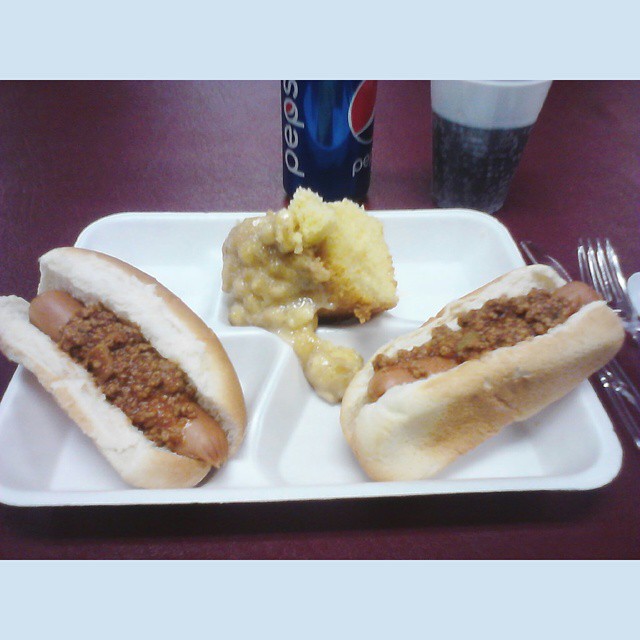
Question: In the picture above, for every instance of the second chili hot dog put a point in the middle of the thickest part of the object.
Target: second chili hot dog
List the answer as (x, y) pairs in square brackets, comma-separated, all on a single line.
[(142, 375), (511, 348)]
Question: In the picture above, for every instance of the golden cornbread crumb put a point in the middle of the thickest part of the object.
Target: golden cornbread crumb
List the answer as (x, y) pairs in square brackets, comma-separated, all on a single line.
[(362, 275), (312, 259)]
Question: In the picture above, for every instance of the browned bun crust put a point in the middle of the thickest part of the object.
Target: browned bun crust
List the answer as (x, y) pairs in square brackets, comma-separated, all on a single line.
[(175, 331), (414, 430)]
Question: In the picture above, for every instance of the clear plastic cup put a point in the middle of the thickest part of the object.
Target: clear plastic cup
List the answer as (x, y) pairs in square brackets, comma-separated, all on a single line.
[(480, 130)]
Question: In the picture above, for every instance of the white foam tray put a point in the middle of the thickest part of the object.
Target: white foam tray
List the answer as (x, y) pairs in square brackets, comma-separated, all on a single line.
[(294, 449)]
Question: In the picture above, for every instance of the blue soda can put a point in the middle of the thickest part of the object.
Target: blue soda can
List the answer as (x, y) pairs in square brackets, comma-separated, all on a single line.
[(327, 136)]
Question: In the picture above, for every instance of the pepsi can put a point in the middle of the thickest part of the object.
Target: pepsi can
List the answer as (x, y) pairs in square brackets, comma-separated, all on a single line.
[(327, 136)]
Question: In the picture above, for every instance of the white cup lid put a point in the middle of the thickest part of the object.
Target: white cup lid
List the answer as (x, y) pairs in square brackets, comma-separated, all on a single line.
[(489, 104)]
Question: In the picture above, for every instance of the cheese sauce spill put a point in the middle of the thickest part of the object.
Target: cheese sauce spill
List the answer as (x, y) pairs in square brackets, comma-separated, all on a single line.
[(313, 259), (278, 284)]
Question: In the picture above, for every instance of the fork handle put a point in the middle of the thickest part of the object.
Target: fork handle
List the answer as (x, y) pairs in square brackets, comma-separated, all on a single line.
[(624, 399), (627, 388)]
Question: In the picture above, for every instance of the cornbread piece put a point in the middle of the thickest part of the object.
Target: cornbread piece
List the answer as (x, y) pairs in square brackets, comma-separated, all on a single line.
[(313, 259), (353, 250)]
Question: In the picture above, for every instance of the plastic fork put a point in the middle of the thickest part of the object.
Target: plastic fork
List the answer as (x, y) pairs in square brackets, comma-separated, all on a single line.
[(622, 393), (600, 267)]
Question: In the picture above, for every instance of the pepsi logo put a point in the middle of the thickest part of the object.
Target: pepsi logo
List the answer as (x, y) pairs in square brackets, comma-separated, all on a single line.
[(361, 111), (290, 130)]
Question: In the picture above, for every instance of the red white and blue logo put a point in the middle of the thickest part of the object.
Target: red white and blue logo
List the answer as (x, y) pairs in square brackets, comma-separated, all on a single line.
[(361, 111)]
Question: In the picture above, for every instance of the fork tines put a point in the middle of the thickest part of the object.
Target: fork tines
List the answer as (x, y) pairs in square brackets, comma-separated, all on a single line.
[(600, 266)]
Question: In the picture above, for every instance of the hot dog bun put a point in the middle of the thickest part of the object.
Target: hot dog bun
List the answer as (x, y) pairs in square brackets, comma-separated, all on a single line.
[(175, 331), (415, 429)]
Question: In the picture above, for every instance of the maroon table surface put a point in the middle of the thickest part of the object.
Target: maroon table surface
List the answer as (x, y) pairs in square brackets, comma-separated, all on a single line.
[(72, 152)]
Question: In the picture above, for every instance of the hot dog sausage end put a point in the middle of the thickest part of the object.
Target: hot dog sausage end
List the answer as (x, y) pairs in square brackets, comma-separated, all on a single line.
[(577, 292), (204, 439), (51, 311)]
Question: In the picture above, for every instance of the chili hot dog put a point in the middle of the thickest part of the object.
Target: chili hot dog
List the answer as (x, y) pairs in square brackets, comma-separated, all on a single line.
[(496, 356), (138, 371)]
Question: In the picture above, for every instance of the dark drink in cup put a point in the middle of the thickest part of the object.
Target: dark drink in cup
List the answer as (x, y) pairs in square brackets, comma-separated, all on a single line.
[(472, 166), (480, 130)]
